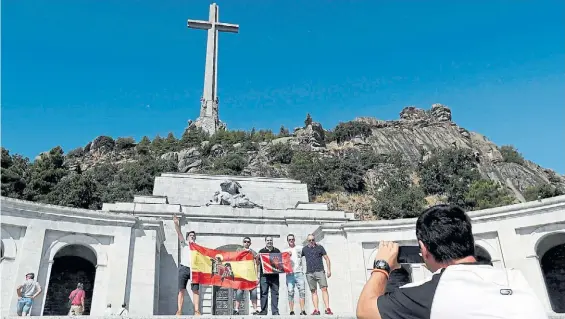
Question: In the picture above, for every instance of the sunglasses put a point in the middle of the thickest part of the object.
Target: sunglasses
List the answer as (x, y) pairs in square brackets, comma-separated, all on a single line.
[(246, 242), (291, 239)]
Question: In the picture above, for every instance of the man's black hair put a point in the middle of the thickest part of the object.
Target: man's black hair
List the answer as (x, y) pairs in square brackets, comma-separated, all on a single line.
[(446, 232), (289, 236), (244, 238), (268, 237), (190, 232)]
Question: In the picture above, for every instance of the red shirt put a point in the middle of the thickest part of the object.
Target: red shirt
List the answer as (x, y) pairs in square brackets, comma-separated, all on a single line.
[(78, 295)]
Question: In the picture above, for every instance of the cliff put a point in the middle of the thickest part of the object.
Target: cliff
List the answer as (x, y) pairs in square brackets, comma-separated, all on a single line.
[(423, 154)]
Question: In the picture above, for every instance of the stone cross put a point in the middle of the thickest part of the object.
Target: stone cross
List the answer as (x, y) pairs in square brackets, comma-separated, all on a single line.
[(209, 120)]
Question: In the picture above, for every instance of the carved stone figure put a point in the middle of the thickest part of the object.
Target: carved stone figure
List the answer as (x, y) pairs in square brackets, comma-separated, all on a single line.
[(230, 195)]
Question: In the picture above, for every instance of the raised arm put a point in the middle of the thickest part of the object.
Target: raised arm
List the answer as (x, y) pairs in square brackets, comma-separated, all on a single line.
[(177, 227)]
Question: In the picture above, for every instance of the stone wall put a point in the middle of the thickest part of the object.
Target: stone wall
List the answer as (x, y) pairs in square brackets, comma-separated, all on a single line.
[(197, 190), (516, 236)]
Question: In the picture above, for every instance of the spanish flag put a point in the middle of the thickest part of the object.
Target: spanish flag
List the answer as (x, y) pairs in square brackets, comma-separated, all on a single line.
[(213, 267)]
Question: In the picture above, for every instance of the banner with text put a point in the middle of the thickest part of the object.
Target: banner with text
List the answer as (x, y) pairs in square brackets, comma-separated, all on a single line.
[(276, 263), (222, 268)]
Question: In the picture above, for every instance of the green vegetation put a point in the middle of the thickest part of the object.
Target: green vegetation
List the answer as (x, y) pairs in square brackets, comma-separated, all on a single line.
[(510, 154), (485, 193), (541, 192), (108, 170)]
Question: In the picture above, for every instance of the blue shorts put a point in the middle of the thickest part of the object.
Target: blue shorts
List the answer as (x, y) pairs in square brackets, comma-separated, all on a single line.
[(295, 280), (24, 305)]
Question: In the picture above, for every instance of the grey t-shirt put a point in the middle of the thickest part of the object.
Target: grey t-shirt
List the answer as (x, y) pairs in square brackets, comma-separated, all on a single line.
[(29, 288)]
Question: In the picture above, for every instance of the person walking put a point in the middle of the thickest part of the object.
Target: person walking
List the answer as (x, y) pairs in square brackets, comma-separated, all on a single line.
[(76, 299)]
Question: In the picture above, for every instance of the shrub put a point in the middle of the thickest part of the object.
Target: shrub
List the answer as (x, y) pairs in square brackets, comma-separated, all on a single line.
[(449, 172), (280, 153), (398, 198), (511, 155), (124, 143), (486, 193), (348, 130), (541, 192)]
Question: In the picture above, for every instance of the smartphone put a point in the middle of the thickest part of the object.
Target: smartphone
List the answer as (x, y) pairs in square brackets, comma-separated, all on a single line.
[(409, 255)]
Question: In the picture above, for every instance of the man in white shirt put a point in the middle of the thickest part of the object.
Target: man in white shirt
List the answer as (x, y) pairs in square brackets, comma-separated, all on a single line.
[(184, 269), (296, 278)]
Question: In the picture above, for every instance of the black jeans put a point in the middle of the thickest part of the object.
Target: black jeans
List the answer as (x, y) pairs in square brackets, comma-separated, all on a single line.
[(270, 282)]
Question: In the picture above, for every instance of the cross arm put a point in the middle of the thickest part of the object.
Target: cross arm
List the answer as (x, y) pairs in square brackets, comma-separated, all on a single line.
[(227, 27), (199, 24)]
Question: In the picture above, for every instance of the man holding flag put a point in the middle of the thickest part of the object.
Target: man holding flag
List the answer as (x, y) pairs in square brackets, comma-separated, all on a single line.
[(253, 292), (269, 280), (296, 277), (184, 269)]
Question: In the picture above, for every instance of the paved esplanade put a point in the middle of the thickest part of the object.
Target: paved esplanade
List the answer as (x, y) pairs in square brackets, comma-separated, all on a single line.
[(209, 120)]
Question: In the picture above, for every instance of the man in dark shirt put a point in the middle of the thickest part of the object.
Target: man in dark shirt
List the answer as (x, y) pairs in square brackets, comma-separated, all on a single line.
[(315, 273), (460, 287), (269, 281)]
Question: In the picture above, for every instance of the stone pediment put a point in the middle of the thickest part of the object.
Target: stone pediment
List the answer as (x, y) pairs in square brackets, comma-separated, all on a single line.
[(198, 189)]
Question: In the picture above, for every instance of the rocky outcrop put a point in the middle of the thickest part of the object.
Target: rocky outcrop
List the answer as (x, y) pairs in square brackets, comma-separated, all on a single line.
[(312, 135), (415, 135)]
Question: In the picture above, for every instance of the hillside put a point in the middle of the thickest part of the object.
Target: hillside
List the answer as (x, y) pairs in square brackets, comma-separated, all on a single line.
[(377, 169)]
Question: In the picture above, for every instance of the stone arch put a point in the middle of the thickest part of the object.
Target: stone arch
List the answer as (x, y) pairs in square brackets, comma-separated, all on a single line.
[(77, 239), (72, 264), (9, 247), (550, 250)]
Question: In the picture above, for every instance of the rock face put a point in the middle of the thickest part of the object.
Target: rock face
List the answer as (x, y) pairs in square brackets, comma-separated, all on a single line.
[(415, 135), (312, 135)]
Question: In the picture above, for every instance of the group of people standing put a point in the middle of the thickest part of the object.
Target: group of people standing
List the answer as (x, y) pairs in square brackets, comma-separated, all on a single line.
[(315, 275)]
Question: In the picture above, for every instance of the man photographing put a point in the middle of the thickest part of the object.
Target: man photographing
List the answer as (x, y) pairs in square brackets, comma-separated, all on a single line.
[(460, 287)]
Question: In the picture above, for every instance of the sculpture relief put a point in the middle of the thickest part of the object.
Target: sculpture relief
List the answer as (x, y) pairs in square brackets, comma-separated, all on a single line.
[(229, 194)]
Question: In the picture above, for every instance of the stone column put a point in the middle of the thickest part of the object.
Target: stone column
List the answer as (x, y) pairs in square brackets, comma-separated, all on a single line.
[(117, 272), (357, 271), (339, 284), (531, 269), (143, 283), (528, 265), (44, 298), (8, 267), (30, 261), (168, 268), (99, 295)]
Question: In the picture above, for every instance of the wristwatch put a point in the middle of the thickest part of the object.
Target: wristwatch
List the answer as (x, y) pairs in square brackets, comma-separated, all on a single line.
[(381, 264)]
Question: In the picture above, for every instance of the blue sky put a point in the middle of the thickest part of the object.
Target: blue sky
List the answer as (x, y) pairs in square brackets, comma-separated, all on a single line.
[(73, 70)]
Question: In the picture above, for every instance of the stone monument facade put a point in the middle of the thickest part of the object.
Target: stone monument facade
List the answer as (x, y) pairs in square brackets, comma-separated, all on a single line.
[(209, 119), (129, 252)]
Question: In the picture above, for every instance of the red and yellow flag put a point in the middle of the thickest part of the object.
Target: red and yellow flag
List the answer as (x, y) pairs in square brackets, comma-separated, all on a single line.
[(276, 263), (213, 267)]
